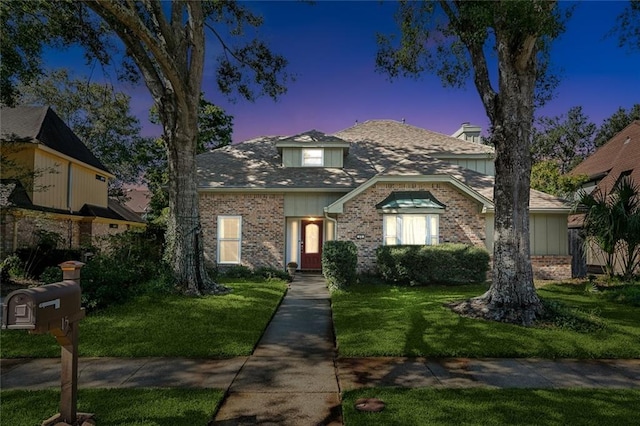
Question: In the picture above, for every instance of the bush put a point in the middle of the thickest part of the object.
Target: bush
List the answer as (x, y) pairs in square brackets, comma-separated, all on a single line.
[(237, 271), (51, 274), (439, 264), (272, 273), (339, 263), (11, 267)]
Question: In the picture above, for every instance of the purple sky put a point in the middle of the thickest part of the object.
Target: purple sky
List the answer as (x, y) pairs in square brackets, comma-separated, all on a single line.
[(331, 50)]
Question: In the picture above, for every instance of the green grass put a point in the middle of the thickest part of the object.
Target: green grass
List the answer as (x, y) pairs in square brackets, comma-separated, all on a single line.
[(169, 407), (407, 407), (166, 326), (378, 320)]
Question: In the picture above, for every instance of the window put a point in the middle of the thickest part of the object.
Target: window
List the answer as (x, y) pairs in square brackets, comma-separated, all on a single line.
[(313, 157), (229, 239), (411, 229)]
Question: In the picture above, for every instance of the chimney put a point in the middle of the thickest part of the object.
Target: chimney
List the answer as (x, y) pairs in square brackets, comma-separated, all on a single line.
[(468, 132)]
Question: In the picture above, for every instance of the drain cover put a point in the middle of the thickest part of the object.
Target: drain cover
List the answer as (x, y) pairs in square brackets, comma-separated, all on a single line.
[(372, 405)]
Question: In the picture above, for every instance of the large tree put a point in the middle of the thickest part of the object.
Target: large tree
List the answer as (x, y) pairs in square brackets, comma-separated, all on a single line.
[(164, 42), (167, 43), (504, 44)]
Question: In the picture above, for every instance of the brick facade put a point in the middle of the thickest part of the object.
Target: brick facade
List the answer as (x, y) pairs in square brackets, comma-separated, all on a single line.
[(551, 267), (263, 226), (460, 222), (18, 230)]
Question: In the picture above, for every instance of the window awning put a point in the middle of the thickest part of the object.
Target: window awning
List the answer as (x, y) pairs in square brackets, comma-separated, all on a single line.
[(410, 200)]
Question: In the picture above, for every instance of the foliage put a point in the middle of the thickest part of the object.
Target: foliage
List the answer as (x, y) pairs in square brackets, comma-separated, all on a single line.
[(45, 253), (339, 263), (11, 267), (117, 274), (51, 274), (564, 317), (493, 407), (626, 294), (374, 320), (166, 325), (271, 274), (546, 177), (612, 221), (30, 25), (628, 27), (565, 139), (237, 271), (439, 264), (616, 123), (113, 407)]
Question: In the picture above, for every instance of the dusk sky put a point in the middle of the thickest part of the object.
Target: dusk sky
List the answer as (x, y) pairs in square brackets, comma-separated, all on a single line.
[(331, 48)]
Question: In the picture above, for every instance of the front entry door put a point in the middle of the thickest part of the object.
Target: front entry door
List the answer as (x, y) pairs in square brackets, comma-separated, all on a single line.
[(311, 250)]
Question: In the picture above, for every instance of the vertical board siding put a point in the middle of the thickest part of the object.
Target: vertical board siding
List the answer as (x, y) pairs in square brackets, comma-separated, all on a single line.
[(547, 234), (484, 166), (87, 189), (51, 186), (308, 204), (333, 157)]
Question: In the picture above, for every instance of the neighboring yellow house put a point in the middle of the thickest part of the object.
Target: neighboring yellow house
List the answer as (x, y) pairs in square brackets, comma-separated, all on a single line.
[(52, 181)]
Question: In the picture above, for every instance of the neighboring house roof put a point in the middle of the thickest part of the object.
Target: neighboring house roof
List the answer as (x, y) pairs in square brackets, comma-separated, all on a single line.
[(137, 198), (13, 194), (256, 165), (39, 124), (619, 156)]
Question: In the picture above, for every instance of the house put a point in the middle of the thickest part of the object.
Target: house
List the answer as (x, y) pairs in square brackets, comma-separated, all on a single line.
[(51, 181), (618, 158), (274, 200)]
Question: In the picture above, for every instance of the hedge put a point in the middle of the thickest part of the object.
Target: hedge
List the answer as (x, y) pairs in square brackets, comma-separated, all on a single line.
[(339, 263), (439, 264)]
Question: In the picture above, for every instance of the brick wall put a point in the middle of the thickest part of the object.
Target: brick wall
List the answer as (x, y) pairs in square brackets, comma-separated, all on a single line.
[(460, 222), (74, 231), (263, 226), (551, 267)]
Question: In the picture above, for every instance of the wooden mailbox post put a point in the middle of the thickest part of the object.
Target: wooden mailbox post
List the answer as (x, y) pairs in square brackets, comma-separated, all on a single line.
[(56, 309)]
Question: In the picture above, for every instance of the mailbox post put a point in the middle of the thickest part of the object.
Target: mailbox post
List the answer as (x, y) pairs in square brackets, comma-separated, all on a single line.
[(54, 308)]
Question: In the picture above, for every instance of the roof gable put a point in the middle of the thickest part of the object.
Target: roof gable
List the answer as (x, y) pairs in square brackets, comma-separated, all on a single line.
[(42, 125)]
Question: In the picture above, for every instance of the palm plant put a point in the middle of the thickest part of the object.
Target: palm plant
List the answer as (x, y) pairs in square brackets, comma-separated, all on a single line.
[(612, 222)]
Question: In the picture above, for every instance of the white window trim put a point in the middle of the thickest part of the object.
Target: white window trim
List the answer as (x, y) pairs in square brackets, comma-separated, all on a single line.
[(239, 239), (312, 165), (398, 232)]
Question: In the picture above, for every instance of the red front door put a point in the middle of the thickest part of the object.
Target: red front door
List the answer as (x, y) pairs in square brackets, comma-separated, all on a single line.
[(311, 256)]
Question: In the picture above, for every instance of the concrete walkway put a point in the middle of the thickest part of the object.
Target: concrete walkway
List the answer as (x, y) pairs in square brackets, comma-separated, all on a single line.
[(294, 378)]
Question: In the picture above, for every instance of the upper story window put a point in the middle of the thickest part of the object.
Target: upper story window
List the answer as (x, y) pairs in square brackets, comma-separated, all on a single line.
[(312, 157)]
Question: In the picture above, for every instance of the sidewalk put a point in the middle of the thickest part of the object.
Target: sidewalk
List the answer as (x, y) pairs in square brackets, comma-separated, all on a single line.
[(293, 376)]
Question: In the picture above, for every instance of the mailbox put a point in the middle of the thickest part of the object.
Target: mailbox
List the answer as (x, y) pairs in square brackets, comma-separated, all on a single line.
[(41, 309)]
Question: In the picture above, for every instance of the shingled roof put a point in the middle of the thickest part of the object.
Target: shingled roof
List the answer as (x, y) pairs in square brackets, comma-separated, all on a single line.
[(256, 165), (620, 155), (39, 124)]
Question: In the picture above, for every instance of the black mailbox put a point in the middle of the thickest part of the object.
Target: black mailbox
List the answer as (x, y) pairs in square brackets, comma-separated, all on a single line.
[(41, 309)]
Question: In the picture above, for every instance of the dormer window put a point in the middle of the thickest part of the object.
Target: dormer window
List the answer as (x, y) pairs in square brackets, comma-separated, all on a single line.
[(312, 157)]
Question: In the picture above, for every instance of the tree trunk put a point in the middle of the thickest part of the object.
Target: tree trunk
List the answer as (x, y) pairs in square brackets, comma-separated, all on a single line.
[(512, 296), (184, 234)]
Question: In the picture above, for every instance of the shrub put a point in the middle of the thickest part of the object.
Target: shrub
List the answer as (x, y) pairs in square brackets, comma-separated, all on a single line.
[(51, 274), (237, 271), (439, 264), (268, 273), (339, 263), (11, 267)]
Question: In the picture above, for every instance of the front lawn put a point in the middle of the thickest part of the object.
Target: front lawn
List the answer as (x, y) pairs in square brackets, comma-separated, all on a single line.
[(166, 326), (378, 320), (408, 407), (131, 407)]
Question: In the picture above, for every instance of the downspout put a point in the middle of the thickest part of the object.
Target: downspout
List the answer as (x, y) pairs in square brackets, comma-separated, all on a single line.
[(335, 222)]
